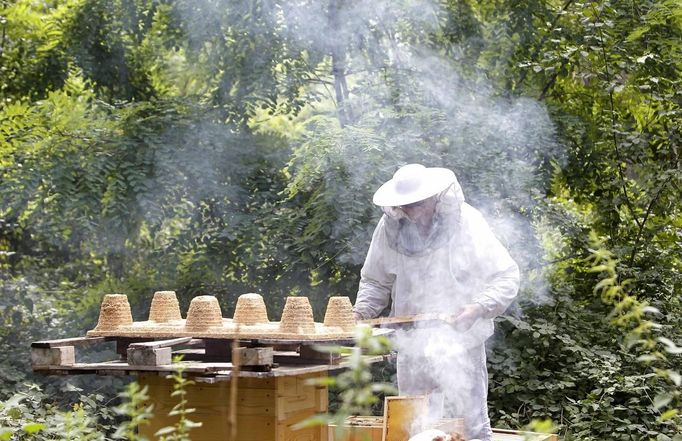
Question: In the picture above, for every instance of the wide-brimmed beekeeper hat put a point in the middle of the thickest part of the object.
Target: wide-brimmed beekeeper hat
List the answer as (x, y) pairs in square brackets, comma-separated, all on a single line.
[(413, 183)]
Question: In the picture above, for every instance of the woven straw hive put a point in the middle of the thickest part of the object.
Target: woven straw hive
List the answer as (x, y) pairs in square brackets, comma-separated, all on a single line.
[(114, 313), (204, 319), (297, 317), (204, 313), (250, 310), (165, 307), (340, 313)]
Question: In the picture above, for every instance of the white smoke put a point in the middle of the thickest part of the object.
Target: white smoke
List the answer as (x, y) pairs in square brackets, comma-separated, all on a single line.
[(493, 143)]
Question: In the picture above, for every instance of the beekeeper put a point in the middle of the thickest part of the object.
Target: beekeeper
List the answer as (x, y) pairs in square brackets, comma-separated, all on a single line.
[(431, 252)]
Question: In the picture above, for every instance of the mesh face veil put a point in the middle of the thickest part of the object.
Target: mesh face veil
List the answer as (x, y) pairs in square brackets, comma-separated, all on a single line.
[(398, 213)]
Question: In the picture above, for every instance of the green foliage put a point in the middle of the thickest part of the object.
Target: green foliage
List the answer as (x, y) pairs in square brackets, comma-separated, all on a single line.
[(32, 60), (231, 147), (30, 414), (24, 314), (631, 314), (135, 410), (179, 431), (358, 392)]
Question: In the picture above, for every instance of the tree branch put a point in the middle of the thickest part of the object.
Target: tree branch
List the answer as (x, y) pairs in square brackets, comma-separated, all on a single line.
[(640, 231), (544, 39), (616, 146)]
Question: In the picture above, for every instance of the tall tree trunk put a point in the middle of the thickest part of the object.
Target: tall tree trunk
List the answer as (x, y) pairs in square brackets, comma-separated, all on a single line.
[(338, 65)]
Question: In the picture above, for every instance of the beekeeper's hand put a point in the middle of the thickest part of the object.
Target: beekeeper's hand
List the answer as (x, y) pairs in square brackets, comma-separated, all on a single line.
[(467, 316)]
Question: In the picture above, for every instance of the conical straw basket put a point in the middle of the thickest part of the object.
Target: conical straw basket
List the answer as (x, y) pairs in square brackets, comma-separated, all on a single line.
[(297, 317), (165, 307), (250, 310), (340, 313), (114, 312), (204, 313)]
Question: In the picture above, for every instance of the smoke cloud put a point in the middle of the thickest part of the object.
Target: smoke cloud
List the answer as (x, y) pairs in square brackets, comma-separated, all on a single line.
[(403, 101)]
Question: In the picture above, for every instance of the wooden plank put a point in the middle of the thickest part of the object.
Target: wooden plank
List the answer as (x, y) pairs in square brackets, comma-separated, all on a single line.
[(287, 387), (365, 432), (149, 356), (291, 342), (160, 343), (422, 319), (310, 353), (256, 418), (518, 435), (297, 396), (290, 406), (255, 408), (123, 366), (123, 343), (401, 414), (370, 428), (42, 357), (321, 399), (215, 399), (75, 341), (254, 356), (286, 430), (221, 369), (215, 425)]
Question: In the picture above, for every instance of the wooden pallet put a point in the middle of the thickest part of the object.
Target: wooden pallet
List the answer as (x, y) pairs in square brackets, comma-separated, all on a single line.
[(200, 356)]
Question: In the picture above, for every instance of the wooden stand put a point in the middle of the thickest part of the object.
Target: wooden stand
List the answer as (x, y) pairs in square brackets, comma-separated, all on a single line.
[(267, 408), (273, 394)]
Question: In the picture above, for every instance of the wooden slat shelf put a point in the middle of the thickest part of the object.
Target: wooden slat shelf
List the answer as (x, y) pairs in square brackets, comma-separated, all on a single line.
[(76, 341), (202, 357)]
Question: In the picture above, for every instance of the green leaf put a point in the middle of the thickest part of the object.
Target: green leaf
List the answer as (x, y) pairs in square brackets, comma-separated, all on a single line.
[(643, 58), (637, 33), (165, 431), (662, 400), (314, 421), (669, 414), (670, 346), (33, 427), (675, 377)]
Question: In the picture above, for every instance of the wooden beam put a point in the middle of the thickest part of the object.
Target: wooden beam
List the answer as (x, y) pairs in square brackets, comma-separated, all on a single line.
[(422, 319), (146, 356), (160, 343), (75, 341), (122, 344), (58, 356), (254, 356), (312, 355)]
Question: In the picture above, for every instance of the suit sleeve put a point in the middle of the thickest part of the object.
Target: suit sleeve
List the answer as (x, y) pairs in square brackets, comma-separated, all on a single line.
[(499, 270), (376, 283)]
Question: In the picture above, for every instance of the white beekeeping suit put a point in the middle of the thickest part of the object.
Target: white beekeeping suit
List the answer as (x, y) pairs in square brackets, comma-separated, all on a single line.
[(456, 264)]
